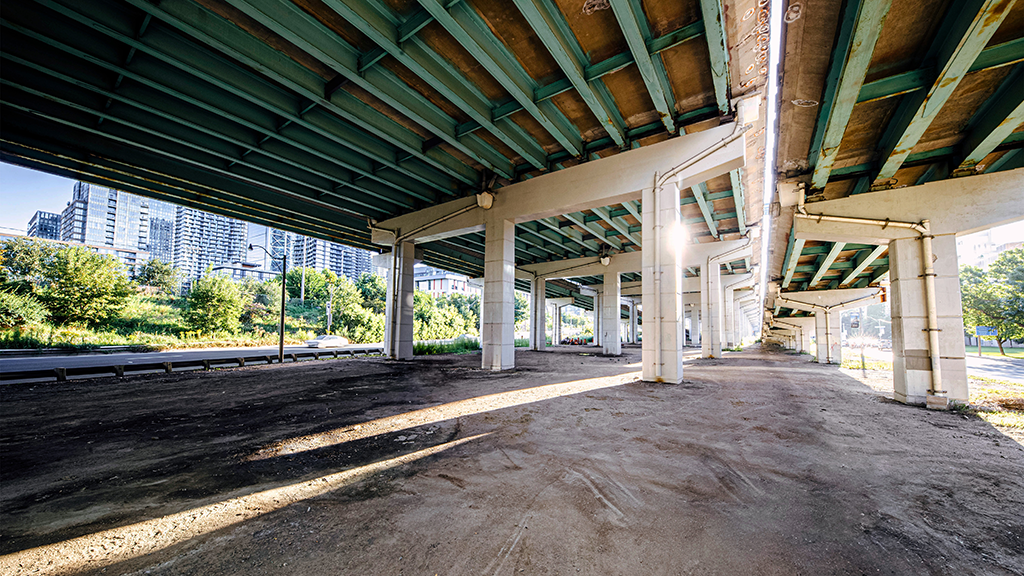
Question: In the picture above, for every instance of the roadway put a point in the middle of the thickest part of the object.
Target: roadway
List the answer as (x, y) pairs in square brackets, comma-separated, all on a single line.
[(1010, 369), (26, 363)]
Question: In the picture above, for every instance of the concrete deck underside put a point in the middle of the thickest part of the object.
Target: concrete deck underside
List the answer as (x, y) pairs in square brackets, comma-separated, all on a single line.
[(759, 463)]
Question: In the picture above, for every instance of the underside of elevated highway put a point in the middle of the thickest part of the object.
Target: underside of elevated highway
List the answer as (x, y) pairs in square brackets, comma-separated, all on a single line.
[(695, 173)]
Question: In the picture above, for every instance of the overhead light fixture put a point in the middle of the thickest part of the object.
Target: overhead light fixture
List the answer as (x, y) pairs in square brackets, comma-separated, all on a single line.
[(606, 260)]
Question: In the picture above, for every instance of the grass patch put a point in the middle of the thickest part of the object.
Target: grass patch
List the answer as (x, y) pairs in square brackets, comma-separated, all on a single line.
[(999, 407), (460, 346), (856, 364), (1017, 353)]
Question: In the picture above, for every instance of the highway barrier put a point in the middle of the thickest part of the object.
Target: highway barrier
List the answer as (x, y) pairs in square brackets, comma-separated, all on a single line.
[(61, 374)]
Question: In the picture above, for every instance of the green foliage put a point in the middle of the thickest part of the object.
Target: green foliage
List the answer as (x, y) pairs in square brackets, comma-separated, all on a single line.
[(459, 346), (23, 261), (160, 275), (467, 305), (522, 306), (316, 283), (996, 297), (433, 322), (350, 318), (78, 285), (373, 291), (214, 305), (20, 309)]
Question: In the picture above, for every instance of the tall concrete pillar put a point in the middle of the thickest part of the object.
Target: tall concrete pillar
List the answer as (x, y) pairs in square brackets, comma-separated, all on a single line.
[(728, 309), (711, 310), (556, 325), (699, 326), (598, 319), (398, 325), (538, 316), (498, 338), (827, 335), (911, 359), (633, 317), (662, 275), (610, 297)]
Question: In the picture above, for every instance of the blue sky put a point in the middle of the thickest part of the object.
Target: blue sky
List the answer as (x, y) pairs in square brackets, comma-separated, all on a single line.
[(23, 191)]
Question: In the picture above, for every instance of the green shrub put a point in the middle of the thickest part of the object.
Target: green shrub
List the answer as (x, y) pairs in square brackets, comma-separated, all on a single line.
[(213, 305), (20, 309)]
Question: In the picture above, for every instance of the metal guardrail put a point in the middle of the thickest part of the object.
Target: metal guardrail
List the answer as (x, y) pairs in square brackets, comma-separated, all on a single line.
[(62, 374)]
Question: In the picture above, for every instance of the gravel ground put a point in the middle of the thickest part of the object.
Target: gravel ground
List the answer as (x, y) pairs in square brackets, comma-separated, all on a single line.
[(759, 463)]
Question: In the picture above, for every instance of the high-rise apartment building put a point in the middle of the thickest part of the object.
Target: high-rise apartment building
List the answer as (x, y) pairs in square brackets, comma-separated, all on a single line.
[(338, 258), (44, 225), (277, 242), (105, 217), (204, 240)]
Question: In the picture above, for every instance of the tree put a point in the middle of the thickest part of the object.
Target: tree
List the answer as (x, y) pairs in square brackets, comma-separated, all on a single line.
[(316, 284), (160, 275), (213, 305), (994, 298), (467, 305), (360, 325), (373, 290), (22, 263), (78, 285), (19, 309)]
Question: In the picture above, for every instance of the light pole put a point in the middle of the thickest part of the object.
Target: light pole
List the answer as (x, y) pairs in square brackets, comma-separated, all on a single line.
[(284, 272)]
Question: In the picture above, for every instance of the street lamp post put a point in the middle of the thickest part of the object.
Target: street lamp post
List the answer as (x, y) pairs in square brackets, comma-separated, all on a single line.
[(284, 272)]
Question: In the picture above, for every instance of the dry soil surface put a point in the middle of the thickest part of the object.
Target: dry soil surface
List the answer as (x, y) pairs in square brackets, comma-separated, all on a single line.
[(760, 463)]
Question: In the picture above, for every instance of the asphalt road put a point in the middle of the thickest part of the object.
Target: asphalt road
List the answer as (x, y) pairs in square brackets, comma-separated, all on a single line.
[(128, 358), (1002, 368)]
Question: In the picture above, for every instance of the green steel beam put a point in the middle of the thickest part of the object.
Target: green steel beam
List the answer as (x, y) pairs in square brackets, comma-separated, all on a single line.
[(714, 24), (628, 23), (837, 267), (1010, 52), (173, 50), (863, 260), (999, 116), (738, 198), (552, 237), (1009, 160), (616, 223), (837, 247), (285, 156), (316, 39), (598, 231), (232, 41), (479, 41), (700, 192), (966, 29), (553, 224), (437, 73), (792, 257), (539, 16), (330, 130), (861, 26)]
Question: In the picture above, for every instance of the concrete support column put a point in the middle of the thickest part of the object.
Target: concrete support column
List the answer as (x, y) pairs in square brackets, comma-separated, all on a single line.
[(556, 325), (538, 315), (498, 338), (911, 359), (711, 310), (398, 331), (698, 325), (729, 309), (827, 335), (610, 337), (633, 317), (598, 319), (662, 275)]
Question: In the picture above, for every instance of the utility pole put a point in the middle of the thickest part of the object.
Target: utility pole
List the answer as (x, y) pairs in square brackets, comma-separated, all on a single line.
[(330, 309)]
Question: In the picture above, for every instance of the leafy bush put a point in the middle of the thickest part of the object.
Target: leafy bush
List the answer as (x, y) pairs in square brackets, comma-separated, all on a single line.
[(80, 286), (214, 305), (20, 309)]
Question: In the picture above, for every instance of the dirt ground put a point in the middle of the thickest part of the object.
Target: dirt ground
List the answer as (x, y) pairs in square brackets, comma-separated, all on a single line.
[(760, 463)]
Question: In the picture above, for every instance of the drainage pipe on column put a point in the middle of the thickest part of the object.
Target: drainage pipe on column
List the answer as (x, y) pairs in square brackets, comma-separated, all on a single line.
[(924, 229), (483, 200), (659, 182)]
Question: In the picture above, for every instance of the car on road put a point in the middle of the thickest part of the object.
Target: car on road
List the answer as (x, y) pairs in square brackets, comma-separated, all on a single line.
[(327, 341)]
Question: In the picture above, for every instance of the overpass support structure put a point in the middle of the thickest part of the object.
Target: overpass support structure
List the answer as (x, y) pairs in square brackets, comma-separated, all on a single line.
[(627, 176), (928, 350)]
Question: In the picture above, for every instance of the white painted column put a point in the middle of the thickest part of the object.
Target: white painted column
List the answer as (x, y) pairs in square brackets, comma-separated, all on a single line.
[(711, 310), (610, 338), (699, 326), (729, 309), (662, 275), (598, 319), (829, 348), (499, 296), (398, 323), (538, 315), (911, 360), (633, 318)]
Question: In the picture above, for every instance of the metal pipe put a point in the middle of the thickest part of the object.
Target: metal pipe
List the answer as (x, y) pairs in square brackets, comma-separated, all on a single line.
[(933, 319), (928, 275)]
